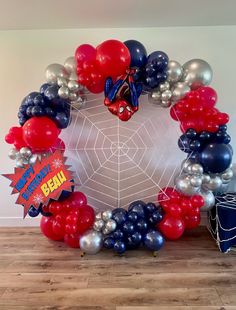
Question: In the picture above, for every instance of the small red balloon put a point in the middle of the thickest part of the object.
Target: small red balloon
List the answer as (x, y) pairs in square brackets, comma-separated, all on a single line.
[(208, 95), (192, 221), (86, 219), (197, 201), (85, 52), (40, 133), (113, 58), (172, 228), (77, 199)]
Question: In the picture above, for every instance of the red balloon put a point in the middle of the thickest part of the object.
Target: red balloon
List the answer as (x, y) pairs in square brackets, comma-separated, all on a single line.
[(85, 52), (192, 221), (72, 218), (40, 133), (77, 199), (222, 118), (72, 240), (71, 229), (86, 220), (113, 58), (58, 228), (197, 201), (46, 226), (84, 78), (59, 145), (172, 228), (186, 205), (168, 193), (55, 207), (173, 209), (208, 95)]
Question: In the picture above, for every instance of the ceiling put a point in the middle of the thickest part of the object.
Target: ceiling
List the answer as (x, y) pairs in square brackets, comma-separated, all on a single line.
[(59, 14)]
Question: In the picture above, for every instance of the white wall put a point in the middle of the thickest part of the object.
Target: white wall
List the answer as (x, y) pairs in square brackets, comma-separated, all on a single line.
[(25, 54)]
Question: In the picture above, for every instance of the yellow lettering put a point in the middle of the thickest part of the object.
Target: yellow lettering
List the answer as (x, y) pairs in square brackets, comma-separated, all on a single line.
[(56, 182), (50, 185), (61, 177), (45, 189)]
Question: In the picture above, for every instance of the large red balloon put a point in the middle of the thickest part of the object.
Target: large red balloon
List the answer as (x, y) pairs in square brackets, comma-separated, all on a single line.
[(40, 133), (113, 58), (172, 228), (86, 220), (46, 225), (77, 199), (72, 240), (85, 53)]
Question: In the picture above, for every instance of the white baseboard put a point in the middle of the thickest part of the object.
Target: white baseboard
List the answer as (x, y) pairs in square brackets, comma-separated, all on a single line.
[(19, 222)]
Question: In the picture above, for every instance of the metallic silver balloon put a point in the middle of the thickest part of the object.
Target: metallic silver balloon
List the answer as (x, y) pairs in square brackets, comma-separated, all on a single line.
[(98, 216), (196, 180), (209, 200), (179, 90), (154, 97), (227, 175), (206, 178), (70, 64), (110, 225), (98, 225), (184, 185), (64, 92), (174, 71), (165, 104), (33, 159), (106, 215), (12, 154), (185, 164), (73, 96), (73, 76), (166, 95), (20, 163), (61, 81), (196, 169), (164, 86), (214, 184), (25, 152), (54, 71), (197, 73), (73, 85), (91, 242)]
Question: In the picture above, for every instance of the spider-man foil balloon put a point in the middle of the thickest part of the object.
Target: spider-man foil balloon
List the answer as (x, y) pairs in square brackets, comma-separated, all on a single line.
[(122, 97)]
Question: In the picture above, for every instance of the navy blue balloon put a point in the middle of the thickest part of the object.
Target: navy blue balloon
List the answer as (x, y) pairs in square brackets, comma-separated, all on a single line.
[(153, 240), (159, 56), (205, 136), (138, 207), (37, 111), (138, 53), (50, 112), (191, 133), (150, 70), (39, 100), (44, 87), (128, 227), (216, 157), (119, 247), (223, 127), (222, 136), (118, 234), (134, 240), (108, 243), (155, 218), (195, 145), (119, 216), (150, 207), (33, 212), (44, 213), (51, 92), (119, 210), (28, 100), (132, 216), (62, 120), (142, 225), (183, 144)]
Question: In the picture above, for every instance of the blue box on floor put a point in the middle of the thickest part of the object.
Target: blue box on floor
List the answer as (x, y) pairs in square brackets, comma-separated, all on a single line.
[(222, 221)]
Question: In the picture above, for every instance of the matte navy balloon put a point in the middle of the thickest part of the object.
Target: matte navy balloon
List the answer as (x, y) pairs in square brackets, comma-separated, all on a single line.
[(108, 243), (216, 157), (138, 53), (153, 240), (33, 212)]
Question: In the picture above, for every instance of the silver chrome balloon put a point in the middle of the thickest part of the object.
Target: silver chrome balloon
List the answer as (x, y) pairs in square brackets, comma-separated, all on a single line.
[(154, 97), (227, 175), (174, 71), (165, 104), (73, 96), (110, 225), (196, 180), (196, 169), (179, 90), (206, 178), (98, 225), (185, 164), (197, 73), (98, 216), (54, 71), (214, 184), (25, 152), (164, 86), (20, 163), (61, 81), (166, 95), (73, 85), (209, 200), (91, 242), (12, 154), (70, 64), (183, 184), (64, 92), (33, 159), (106, 215)]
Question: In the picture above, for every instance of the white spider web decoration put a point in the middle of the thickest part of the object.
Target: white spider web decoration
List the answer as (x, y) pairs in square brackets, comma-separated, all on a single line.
[(119, 162)]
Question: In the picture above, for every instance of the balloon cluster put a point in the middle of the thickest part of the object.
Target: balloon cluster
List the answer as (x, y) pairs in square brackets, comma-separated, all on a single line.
[(25, 157), (70, 219), (66, 78), (181, 212), (104, 222), (197, 111), (109, 59), (134, 227)]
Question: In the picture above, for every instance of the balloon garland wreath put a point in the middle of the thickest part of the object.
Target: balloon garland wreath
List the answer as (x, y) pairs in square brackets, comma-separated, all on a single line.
[(124, 72)]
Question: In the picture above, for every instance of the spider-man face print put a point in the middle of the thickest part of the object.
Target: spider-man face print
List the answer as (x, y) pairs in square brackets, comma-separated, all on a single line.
[(122, 109)]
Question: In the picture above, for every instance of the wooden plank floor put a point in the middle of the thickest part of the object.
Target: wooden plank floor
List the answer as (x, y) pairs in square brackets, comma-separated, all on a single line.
[(188, 274)]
